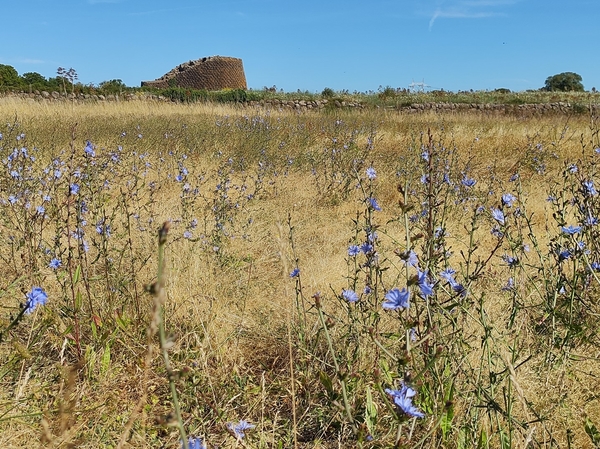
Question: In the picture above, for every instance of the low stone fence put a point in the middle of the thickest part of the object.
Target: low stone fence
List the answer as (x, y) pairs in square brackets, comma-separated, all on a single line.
[(560, 108)]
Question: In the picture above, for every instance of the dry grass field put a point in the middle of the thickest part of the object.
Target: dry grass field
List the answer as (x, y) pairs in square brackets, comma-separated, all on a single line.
[(264, 302)]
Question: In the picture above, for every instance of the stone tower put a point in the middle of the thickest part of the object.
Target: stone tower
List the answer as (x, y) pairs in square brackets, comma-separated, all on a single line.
[(210, 73)]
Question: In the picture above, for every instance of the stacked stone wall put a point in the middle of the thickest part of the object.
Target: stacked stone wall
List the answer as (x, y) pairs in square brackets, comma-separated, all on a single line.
[(210, 73), (522, 110)]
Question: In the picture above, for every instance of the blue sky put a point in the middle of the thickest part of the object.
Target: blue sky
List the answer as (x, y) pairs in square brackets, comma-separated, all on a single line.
[(311, 44)]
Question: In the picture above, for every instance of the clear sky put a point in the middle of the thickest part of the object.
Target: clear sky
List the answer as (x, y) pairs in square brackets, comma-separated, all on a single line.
[(358, 45)]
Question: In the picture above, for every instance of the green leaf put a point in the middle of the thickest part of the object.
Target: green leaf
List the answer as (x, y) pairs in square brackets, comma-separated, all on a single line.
[(592, 432), (78, 301), (77, 275), (327, 383), (105, 363), (370, 412)]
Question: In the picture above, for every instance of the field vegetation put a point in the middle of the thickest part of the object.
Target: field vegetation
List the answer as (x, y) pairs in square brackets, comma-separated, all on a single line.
[(236, 277)]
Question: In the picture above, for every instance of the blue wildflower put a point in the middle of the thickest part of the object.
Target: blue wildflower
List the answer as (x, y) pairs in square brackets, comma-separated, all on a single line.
[(238, 430), (350, 295), (410, 258), (510, 285), (89, 149), (595, 266), (497, 232), (591, 221), (564, 255), (403, 400), (37, 296), (508, 199), (498, 215), (371, 173), (194, 443), (514, 177), (187, 234), (55, 263), (102, 228), (425, 284), (460, 289), (295, 273), (468, 182), (367, 290), (588, 188), (353, 250), (510, 261), (396, 299), (366, 248), (571, 230), (373, 204), (448, 275), (74, 189)]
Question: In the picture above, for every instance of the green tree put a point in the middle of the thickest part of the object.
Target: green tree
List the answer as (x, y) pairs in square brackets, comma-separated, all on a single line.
[(9, 76), (112, 87), (564, 82), (34, 80)]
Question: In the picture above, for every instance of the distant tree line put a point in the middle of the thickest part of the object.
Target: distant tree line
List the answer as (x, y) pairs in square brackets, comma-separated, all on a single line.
[(66, 81)]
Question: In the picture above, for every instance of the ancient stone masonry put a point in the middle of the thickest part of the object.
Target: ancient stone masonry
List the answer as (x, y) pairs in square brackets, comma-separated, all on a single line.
[(210, 73)]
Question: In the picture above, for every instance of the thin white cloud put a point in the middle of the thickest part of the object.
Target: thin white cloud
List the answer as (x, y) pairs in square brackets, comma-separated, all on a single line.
[(469, 9), (22, 61)]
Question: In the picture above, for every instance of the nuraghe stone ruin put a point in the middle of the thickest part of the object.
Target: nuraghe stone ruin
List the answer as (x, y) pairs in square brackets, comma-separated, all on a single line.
[(210, 73)]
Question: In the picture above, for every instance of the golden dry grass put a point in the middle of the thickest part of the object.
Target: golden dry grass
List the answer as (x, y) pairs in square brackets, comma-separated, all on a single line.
[(231, 315)]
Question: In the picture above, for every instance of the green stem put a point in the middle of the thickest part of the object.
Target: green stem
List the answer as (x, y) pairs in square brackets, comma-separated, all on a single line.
[(160, 297), (337, 369)]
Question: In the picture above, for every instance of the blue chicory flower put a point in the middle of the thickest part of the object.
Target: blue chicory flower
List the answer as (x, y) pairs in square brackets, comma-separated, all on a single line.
[(564, 255), (295, 273), (396, 299), (403, 400), (448, 275), (353, 250), (194, 443), (425, 284), (510, 285), (571, 230), (350, 295), (37, 296), (588, 188), (508, 199), (55, 263), (371, 173), (366, 248), (238, 430), (373, 204), (498, 215), (89, 149), (410, 258), (468, 182), (510, 261)]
